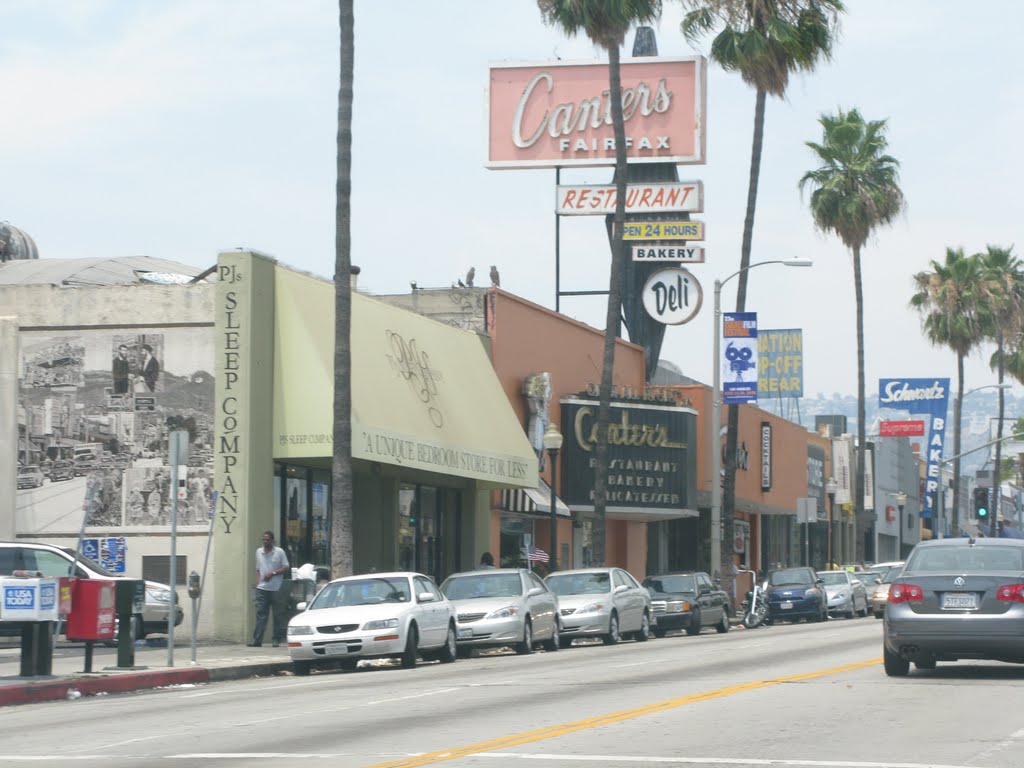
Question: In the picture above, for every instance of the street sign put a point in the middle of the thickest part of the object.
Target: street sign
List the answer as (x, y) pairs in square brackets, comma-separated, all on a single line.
[(672, 296), (663, 230), (913, 428), (668, 253)]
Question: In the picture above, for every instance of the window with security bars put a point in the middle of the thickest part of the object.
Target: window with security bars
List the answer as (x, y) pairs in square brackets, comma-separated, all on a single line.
[(158, 568)]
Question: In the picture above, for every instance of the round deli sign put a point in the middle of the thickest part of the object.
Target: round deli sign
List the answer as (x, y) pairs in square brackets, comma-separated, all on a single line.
[(672, 296)]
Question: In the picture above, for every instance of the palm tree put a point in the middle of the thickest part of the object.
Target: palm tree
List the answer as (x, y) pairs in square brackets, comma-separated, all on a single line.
[(765, 41), (853, 192), (606, 23), (341, 474), (953, 301), (1004, 273)]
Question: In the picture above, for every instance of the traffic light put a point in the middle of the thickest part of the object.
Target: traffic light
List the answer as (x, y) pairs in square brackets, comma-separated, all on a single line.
[(981, 503)]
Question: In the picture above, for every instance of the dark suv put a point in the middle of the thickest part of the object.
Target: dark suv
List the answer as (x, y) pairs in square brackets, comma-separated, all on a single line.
[(688, 601), (796, 593)]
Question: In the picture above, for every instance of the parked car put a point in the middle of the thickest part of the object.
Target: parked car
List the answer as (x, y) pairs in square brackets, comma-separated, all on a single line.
[(956, 599), (503, 607), (62, 470), (880, 595), (601, 602), (373, 616), (83, 466), (689, 601), (52, 560), (30, 476), (796, 593), (844, 593)]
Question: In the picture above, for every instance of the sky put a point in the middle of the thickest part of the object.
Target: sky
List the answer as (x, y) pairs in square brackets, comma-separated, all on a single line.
[(178, 130)]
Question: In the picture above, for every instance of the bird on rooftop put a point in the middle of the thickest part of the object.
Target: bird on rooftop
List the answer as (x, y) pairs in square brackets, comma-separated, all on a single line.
[(461, 284), (469, 276), (412, 284), (495, 278)]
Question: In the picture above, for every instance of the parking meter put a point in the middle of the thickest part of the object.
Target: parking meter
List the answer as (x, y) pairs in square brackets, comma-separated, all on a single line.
[(195, 589), (129, 602)]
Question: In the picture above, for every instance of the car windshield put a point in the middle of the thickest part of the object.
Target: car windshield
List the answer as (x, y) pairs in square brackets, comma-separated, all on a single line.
[(369, 591), (833, 578), (961, 559), (676, 583), (790, 576), (483, 585), (29, 470), (579, 583), (92, 565)]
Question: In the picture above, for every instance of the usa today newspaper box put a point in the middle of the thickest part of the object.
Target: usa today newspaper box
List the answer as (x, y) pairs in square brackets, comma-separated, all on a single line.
[(34, 604)]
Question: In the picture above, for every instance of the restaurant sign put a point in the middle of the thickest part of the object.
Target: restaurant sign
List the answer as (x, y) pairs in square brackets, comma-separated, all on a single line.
[(652, 457)]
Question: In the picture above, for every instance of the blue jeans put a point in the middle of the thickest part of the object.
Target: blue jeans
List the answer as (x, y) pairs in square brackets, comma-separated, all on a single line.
[(264, 600)]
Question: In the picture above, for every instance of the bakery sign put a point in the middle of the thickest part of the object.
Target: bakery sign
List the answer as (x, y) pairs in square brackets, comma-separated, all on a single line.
[(558, 113), (652, 457)]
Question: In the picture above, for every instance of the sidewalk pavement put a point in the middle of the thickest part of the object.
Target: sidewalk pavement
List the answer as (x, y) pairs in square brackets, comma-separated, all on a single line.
[(215, 662)]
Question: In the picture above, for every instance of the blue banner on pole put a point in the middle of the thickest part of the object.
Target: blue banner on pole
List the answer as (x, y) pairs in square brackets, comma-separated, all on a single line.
[(929, 396), (739, 357)]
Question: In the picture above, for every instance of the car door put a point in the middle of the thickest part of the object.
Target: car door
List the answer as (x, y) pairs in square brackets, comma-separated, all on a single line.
[(433, 613), (625, 602), (543, 607), (642, 598), (710, 607)]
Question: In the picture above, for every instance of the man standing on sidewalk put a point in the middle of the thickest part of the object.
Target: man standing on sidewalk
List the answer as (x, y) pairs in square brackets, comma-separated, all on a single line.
[(271, 565)]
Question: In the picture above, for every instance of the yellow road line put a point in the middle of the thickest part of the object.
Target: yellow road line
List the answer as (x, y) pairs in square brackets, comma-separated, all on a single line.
[(553, 731)]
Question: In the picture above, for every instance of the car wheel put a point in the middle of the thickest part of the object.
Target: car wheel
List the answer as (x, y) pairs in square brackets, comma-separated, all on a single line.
[(301, 668), (852, 613), (408, 656), (554, 642), (895, 666), (659, 633), (612, 637), (464, 652), (695, 620), (565, 642), (723, 624), (644, 633), (526, 646), (448, 652)]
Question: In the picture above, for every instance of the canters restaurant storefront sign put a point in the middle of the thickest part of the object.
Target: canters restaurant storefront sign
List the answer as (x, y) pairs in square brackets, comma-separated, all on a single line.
[(652, 457)]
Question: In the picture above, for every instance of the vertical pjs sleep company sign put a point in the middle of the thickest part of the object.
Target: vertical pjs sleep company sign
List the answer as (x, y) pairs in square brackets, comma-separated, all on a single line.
[(929, 396)]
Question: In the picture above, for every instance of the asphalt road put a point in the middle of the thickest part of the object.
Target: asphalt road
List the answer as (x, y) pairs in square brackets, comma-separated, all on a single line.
[(801, 696)]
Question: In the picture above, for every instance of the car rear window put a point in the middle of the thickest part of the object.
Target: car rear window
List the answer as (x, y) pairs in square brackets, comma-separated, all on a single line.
[(966, 558)]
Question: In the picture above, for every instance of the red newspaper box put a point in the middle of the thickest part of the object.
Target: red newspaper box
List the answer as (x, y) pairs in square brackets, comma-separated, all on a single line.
[(92, 610)]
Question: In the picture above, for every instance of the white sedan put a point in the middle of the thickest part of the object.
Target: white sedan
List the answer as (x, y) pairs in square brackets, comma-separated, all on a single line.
[(379, 615)]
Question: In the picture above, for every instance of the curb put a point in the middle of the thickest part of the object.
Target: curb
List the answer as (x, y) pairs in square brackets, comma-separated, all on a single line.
[(32, 691), (267, 669)]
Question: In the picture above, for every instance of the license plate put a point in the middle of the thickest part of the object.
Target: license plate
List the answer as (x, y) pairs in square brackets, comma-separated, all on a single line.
[(339, 649), (960, 600), (465, 634), (786, 605)]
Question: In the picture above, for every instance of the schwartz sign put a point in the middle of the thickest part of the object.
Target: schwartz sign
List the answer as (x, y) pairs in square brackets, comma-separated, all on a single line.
[(931, 397), (652, 456)]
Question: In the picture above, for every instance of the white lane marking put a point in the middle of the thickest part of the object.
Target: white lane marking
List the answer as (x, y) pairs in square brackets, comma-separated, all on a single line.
[(999, 746), (606, 759), (634, 664)]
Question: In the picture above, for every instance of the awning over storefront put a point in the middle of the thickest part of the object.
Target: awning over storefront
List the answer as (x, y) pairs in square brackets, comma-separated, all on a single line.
[(424, 394), (533, 501)]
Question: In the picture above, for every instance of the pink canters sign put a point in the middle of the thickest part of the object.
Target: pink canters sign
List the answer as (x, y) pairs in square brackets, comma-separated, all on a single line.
[(557, 114)]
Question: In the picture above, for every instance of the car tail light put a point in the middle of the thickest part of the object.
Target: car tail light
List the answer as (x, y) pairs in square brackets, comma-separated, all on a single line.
[(905, 593), (1013, 593)]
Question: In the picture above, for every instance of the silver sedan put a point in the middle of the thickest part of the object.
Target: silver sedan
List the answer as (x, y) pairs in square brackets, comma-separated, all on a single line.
[(601, 602), (846, 594), (503, 607)]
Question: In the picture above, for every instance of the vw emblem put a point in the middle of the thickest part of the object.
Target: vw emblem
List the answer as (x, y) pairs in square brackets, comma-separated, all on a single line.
[(958, 581)]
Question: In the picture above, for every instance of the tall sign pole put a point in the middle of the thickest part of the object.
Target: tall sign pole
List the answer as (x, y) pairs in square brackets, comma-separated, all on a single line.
[(178, 457)]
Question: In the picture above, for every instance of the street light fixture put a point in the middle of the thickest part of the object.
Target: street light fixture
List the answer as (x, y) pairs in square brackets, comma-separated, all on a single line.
[(553, 444), (830, 489), (901, 500), (716, 413)]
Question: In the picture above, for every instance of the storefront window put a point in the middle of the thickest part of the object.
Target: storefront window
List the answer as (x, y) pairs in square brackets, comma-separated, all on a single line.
[(321, 510), (296, 515), (515, 533), (406, 522)]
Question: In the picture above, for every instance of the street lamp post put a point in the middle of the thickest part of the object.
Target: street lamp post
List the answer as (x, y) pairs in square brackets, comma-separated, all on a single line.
[(553, 444), (830, 489), (901, 500), (716, 413)]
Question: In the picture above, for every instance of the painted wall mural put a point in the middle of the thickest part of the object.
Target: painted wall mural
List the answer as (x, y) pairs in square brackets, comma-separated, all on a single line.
[(94, 411)]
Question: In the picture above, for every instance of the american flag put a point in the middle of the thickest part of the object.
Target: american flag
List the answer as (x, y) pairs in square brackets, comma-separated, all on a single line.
[(535, 554)]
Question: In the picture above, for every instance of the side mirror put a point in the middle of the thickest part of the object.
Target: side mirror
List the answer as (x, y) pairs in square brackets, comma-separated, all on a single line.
[(534, 591), (621, 588), (819, 581), (301, 606), (425, 597)]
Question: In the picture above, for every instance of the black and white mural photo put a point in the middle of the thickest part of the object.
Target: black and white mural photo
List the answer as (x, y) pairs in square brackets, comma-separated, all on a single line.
[(95, 409)]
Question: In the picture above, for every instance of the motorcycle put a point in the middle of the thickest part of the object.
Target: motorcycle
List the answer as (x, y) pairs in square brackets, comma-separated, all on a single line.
[(755, 607)]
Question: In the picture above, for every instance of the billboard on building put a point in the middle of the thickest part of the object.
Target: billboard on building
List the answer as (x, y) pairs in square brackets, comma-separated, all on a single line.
[(557, 113), (98, 406), (780, 363)]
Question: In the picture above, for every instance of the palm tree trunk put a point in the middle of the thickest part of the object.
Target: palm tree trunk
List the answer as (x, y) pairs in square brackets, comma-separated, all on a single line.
[(341, 494), (859, 517), (611, 328), (732, 434), (958, 406), (994, 514)]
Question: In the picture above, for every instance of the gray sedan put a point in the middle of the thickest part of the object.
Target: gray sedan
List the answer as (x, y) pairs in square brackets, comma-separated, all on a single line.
[(956, 599), (601, 602), (846, 594), (503, 607)]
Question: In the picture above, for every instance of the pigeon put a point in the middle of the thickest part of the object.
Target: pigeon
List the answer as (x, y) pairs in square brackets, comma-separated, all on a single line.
[(469, 276), (412, 284), (461, 284), (495, 278)]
